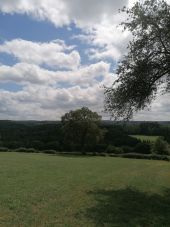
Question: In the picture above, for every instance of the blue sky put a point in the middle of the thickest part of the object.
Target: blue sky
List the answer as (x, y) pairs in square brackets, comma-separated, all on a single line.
[(16, 26), (56, 55)]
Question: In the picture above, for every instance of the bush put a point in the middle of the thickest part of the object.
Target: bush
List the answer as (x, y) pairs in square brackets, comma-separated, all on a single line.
[(20, 149), (142, 148), (113, 149), (135, 155), (3, 149), (146, 156), (127, 149), (160, 147), (13, 144), (159, 157), (32, 150), (53, 145), (26, 150), (100, 148), (37, 144), (49, 151)]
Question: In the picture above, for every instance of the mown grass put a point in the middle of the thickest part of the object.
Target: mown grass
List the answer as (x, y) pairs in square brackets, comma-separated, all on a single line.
[(71, 191), (146, 138)]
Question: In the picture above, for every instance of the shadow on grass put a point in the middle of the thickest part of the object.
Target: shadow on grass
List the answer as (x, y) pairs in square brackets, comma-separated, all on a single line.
[(129, 207)]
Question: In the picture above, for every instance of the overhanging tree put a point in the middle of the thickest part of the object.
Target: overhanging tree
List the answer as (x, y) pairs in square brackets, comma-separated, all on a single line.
[(146, 67)]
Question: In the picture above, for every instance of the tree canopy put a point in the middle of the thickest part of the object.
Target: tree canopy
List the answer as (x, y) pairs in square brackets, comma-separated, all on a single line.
[(145, 69), (81, 128)]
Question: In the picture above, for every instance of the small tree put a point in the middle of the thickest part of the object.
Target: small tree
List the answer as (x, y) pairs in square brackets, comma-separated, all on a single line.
[(160, 147), (81, 129)]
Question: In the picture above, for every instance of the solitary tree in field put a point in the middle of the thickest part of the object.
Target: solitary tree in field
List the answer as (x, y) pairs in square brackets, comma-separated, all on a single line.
[(81, 128), (146, 67)]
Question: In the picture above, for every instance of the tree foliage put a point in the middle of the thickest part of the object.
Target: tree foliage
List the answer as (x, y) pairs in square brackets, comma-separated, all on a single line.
[(161, 147), (81, 128), (146, 67)]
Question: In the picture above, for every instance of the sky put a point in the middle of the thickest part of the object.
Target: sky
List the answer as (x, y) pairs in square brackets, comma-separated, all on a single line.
[(57, 55)]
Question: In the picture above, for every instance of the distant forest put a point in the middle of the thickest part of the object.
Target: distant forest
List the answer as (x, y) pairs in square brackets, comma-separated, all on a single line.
[(48, 135)]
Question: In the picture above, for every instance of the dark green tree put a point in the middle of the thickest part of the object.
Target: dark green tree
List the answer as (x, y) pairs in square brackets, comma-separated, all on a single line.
[(146, 67), (81, 129), (161, 146)]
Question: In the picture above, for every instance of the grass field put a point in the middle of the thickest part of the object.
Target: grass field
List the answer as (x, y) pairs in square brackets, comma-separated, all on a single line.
[(146, 138), (45, 190)]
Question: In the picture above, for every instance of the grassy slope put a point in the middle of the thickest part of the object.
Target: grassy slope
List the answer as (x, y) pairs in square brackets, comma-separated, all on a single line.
[(44, 190), (145, 138)]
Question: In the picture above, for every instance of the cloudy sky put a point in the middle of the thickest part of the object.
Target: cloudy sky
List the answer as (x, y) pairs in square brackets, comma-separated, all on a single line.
[(56, 55)]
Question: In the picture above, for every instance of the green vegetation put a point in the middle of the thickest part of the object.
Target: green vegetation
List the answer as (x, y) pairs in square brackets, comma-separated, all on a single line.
[(161, 147), (73, 191), (80, 129), (142, 70), (146, 138)]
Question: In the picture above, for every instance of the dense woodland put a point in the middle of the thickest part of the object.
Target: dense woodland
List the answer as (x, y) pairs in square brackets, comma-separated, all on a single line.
[(48, 136)]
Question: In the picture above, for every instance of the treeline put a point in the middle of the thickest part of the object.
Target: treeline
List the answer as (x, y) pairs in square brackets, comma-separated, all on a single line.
[(36, 135), (149, 128), (48, 136), (43, 136)]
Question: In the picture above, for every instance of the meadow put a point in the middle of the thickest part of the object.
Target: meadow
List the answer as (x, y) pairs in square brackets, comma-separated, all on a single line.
[(146, 138), (71, 191)]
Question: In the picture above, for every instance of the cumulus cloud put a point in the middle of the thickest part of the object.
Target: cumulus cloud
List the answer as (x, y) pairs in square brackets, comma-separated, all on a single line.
[(97, 19), (159, 110), (42, 102), (25, 73), (54, 54), (48, 92), (64, 12), (108, 41)]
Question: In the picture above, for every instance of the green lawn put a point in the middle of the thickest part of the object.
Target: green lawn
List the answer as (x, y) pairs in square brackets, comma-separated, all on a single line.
[(45, 190), (145, 138)]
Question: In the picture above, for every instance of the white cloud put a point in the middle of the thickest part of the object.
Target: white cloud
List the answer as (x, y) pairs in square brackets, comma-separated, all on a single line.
[(47, 94), (159, 110), (44, 102), (107, 39), (97, 19), (25, 73), (53, 54), (47, 103), (63, 12), (42, 96)]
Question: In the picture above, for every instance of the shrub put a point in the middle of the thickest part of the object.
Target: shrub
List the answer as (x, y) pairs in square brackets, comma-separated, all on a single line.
[(160, 147), (49, 151), (146, 156), (103, 154), (142, 148), (31, 150), (113, 149), (3, 149), (127, 149), (135, 155), (26, 150), (159, 157), (37, 144), (20, 149), (99, 148), (53, 145), (13, 144)]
